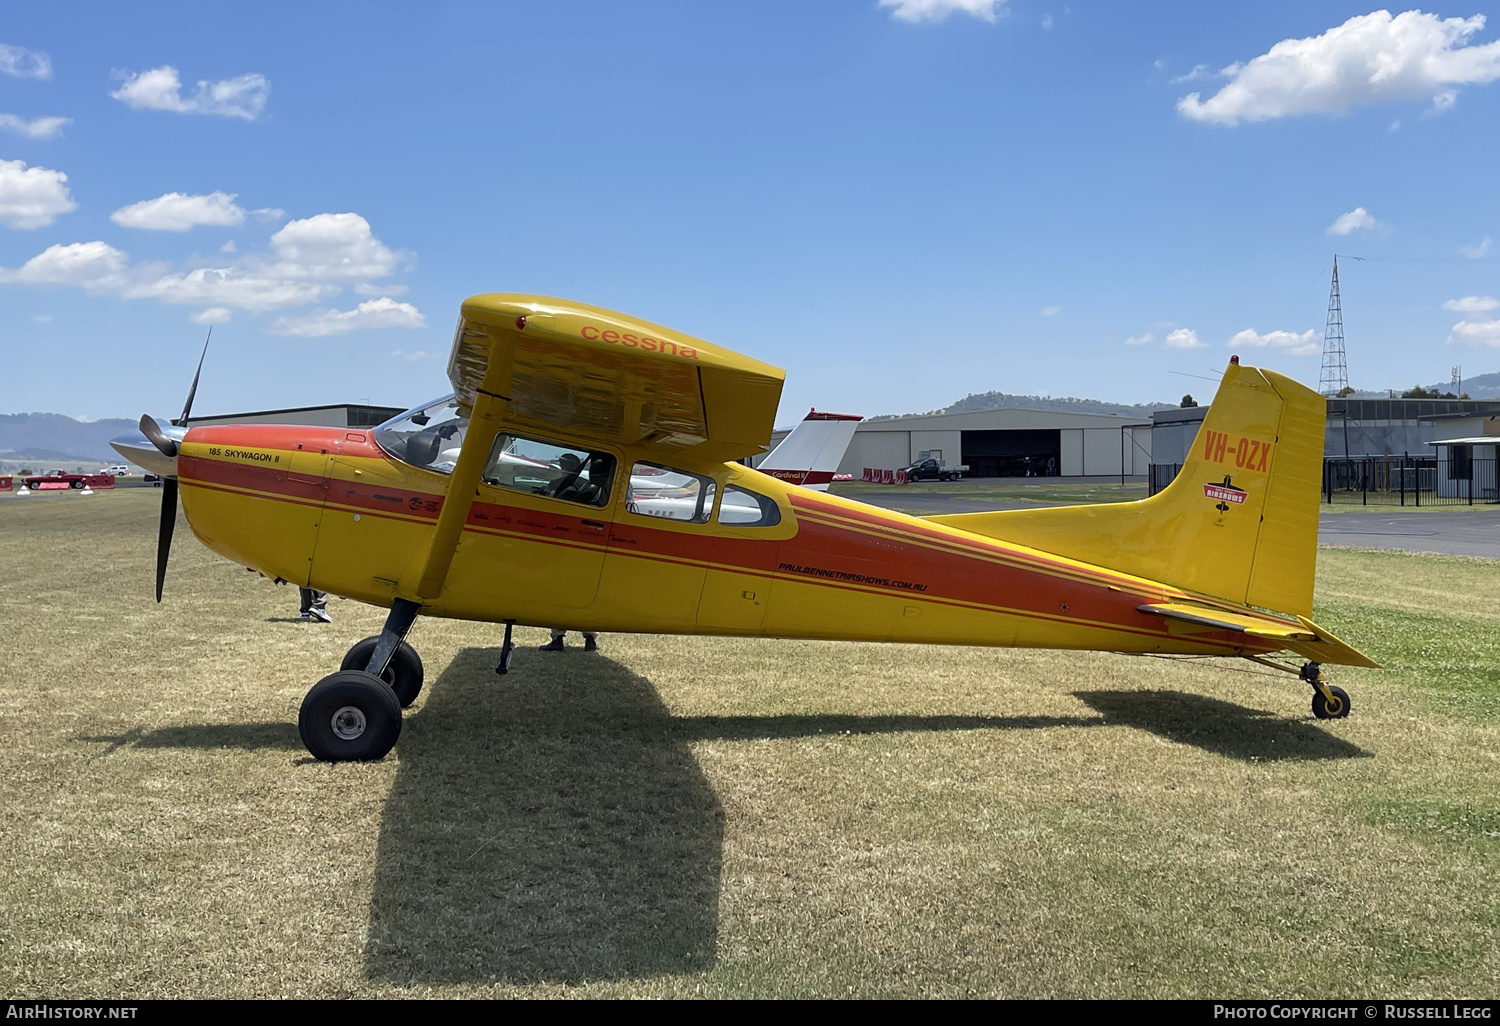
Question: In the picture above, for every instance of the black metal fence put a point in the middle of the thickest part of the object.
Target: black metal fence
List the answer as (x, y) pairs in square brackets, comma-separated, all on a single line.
[(1456, 480), (1159, 475), (1416, 481)]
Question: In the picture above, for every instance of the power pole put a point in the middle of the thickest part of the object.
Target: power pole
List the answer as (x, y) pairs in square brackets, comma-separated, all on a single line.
[(1335, 376), (1458, 379)]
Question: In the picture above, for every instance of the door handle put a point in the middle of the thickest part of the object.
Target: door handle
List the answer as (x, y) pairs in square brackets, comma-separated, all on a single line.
[(592, 523)]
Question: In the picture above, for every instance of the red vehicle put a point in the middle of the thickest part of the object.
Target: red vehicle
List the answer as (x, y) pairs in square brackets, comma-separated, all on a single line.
[(60, 479)]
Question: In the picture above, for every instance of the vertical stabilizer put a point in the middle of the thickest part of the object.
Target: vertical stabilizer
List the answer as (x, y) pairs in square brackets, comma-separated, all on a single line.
[(812, 452), (1239, 522)]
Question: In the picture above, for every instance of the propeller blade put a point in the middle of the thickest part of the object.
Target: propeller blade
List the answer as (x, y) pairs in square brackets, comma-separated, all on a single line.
[(164, 530), (187, 407), (157, 437)]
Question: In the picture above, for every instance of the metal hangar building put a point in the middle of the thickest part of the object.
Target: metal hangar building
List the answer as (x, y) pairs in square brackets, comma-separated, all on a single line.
[(1005, 443)]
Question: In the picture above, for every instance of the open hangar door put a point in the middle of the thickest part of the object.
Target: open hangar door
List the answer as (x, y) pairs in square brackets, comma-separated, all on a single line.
[(1012, 453)]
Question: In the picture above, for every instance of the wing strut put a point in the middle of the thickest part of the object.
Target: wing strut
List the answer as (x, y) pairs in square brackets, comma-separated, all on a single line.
[(463, 485)]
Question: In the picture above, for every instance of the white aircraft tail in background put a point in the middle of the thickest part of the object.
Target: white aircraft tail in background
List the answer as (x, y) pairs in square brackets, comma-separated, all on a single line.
[(810, 455)]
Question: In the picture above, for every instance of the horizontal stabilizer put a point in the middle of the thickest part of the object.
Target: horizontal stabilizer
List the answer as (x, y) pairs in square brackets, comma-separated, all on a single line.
[(1303, 637)]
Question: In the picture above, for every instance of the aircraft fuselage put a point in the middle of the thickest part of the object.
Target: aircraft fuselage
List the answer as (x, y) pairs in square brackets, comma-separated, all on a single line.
[(328, 508)]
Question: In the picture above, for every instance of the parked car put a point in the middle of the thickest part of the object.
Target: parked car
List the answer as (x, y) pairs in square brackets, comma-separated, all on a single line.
[(118, 470), (61, 479), (932, 470)]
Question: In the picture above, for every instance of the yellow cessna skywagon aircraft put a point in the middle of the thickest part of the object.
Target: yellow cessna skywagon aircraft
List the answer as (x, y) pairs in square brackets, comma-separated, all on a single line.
[(582, 475)]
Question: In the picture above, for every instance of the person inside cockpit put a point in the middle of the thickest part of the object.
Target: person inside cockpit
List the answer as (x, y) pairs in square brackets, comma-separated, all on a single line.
[(589, 482)]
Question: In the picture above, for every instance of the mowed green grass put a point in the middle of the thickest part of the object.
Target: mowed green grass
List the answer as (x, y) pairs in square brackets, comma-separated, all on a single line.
[(680, 817)]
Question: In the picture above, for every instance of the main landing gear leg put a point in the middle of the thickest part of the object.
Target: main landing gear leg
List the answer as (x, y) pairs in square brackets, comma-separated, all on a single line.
[(1329, 701), (355, 715), (503, 666)]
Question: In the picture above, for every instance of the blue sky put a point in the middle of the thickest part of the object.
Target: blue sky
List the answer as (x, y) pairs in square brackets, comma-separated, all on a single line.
[(898, 202)]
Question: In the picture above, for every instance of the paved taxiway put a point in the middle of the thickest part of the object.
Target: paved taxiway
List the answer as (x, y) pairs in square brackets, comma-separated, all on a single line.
[(1465, 532)]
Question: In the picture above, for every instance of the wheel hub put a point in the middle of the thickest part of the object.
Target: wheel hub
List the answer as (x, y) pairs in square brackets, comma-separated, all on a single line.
[(348, 723)]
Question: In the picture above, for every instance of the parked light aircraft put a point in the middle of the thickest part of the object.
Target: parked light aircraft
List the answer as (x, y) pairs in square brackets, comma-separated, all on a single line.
[(534, 516)]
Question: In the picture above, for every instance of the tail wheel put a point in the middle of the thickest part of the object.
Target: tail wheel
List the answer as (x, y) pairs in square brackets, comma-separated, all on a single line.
[(404, 674), (350, 716), (1334, 707)]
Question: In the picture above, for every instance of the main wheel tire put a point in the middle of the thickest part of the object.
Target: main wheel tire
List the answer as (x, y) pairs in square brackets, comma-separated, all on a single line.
[(404, 674), (350, 716), (1323, 709), (75, 484)]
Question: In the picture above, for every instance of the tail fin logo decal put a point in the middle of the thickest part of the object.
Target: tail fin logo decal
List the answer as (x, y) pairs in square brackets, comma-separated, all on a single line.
[(1247, 453), (1225, 493)]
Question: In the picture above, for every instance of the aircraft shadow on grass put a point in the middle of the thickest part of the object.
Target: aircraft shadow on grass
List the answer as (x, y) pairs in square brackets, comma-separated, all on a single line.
[(553, 825), (1224, 728)]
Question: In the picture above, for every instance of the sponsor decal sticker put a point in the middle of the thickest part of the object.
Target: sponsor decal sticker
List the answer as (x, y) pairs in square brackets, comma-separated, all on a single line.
[(1225, 493)]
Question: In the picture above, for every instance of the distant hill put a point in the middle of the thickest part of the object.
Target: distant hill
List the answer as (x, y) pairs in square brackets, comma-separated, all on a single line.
[(32, 452), (52, 436), (1480, 386), (976, 402)]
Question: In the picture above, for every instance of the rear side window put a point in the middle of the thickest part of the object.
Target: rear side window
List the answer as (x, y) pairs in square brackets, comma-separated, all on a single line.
[(743, 508), (657, 491)]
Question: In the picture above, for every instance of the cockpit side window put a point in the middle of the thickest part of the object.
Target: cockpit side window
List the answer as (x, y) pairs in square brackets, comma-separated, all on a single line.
[(741, 507), (657, 491), (544, 468), (430, 437)]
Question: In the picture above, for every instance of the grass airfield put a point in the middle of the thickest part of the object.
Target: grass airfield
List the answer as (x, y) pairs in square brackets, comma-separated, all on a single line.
[(728, 818)]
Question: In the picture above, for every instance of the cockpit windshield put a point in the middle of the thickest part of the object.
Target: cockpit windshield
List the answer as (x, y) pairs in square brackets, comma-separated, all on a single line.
[(429, 437)]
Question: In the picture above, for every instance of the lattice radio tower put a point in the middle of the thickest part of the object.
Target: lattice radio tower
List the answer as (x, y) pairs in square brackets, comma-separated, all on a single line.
[(1335, 376)]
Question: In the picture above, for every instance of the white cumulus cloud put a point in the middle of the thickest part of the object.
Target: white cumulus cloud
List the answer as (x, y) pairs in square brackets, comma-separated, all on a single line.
[(213, 315), (1477, 250), (94, 266), (335, 247), (1289, 342), (310, 261), (19, 62), (1140, 340), (161, 89), (32, 197), (937, 10), (228, 286), (1371, 58), (373, 313), (34, 128), (1353, 221), (178, 212), (1201, 72), (1183, 338), (1476, 333), (1477, 328), (1472, 304)]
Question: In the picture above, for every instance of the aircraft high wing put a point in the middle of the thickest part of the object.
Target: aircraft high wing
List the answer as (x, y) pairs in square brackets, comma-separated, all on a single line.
[(582, 475)]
